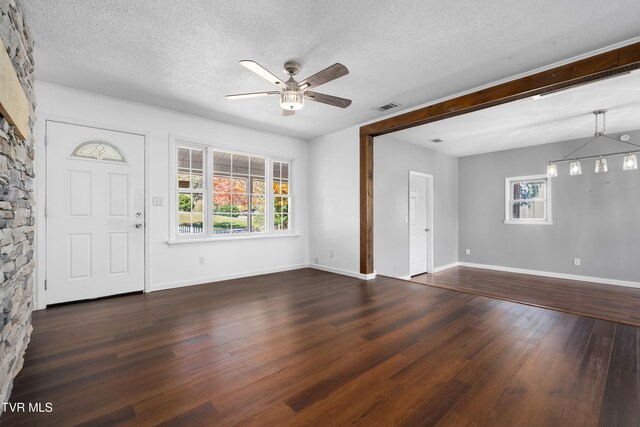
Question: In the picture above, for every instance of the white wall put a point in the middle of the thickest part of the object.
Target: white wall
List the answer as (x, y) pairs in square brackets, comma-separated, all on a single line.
[(393, 159), (171, 266), (335, 201)]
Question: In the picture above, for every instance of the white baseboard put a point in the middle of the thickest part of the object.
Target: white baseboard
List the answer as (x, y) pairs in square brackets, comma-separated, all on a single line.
[(343, 272), (404, 277), (446, 267), (554, 275), (205, 280)]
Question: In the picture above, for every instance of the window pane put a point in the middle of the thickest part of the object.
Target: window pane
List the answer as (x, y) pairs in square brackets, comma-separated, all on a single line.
[(257, 204), (276, 170), (277, 188), (285, 170), (196, 180), (257, 166), (281, 222), (239, 185), (240, 164), (197, 203), (285, 205), (184, 161), (239, 224), (257, 223), (277, 205), (222, 223), (257, 186), (528, 210), (221, 162), (196, 159), (528, 190), (222, 203), (184, 179), (184, 202), (284, 187), (221, 184), (241, 202)]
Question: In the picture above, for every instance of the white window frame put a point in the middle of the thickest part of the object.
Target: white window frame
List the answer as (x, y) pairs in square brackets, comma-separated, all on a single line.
[(272, 196), (208, 235), (547, 220)]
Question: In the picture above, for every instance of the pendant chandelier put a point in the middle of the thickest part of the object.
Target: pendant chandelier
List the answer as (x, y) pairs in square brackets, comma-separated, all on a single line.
[(630, 161)]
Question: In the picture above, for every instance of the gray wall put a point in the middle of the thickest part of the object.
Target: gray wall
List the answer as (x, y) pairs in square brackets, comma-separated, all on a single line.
[(393, 160), (596, 217)]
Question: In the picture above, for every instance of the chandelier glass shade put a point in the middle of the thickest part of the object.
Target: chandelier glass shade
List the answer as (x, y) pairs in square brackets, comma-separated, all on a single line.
[(575, 168), (630, 162), (601, 165)]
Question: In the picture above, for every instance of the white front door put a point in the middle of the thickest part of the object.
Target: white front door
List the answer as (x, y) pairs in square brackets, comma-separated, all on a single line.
[(418, 224), (94, 212)]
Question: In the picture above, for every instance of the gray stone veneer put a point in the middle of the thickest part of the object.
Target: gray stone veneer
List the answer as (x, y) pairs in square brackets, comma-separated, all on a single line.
[(17, 208)]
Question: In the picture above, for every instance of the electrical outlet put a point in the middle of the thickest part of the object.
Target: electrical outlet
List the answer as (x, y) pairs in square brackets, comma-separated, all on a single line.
[(201, 260), (158, 201), (468, 251), (330, 253), (576, 261)]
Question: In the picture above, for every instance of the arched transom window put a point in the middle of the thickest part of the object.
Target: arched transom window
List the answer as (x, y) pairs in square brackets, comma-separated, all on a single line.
[(98, 150)]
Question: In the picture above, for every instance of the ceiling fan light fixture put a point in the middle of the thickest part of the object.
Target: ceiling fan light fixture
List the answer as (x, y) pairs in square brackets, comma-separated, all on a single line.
[(630, 162), (291, 99)]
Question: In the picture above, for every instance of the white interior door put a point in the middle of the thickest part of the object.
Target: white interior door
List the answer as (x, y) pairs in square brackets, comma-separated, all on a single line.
[(95, 212), (419, 228)]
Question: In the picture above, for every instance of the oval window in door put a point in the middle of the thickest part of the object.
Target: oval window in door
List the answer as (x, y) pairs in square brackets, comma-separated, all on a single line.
[(98, 150)]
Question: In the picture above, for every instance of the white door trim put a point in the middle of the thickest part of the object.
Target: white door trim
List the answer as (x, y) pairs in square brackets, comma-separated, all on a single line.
[(430, 223), (40, 255)]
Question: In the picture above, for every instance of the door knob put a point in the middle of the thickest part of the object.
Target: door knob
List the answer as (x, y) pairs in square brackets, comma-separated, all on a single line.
[(138, 214), (427, 229), (139, 225)]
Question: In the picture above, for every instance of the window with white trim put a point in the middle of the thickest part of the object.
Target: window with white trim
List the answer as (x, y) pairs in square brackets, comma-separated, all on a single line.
[(528, 200), (221, 193)]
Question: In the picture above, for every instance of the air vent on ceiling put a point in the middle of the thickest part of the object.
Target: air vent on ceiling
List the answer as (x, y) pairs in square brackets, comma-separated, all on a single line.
[(436, 140), (388, 106)]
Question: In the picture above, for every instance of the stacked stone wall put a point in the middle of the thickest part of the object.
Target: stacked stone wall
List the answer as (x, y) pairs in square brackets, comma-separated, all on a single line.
[(17, 208)]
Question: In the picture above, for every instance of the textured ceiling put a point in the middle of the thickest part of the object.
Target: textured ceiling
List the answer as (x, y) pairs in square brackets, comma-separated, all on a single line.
[(560, 116), (183, 55)]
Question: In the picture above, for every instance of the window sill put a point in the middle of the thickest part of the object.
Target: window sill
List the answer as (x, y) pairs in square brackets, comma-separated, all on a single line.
[(178, 242), (528, 222)]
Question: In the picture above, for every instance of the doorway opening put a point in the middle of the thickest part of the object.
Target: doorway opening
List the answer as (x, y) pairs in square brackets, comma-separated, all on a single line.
[(420, 227)]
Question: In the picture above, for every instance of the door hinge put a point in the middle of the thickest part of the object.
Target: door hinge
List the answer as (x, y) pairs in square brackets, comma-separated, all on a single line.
[(46, 213), (45, 284), (46, 139)]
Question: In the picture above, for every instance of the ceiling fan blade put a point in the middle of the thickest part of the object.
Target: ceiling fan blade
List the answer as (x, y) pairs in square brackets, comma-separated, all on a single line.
[(330, 73), (288, 112), (328, 99), (263, 72), (252, 95)]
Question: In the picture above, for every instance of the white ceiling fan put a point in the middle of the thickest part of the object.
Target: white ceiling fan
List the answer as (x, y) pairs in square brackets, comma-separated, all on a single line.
[(293, 93)]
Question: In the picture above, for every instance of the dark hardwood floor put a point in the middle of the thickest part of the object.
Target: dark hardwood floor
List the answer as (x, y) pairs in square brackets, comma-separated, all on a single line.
[(615, 303), (312, 348)]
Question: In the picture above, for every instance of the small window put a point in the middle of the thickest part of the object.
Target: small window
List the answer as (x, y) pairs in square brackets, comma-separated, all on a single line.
[(281, 196), (98, 150), (528, 200), (190, 191)]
